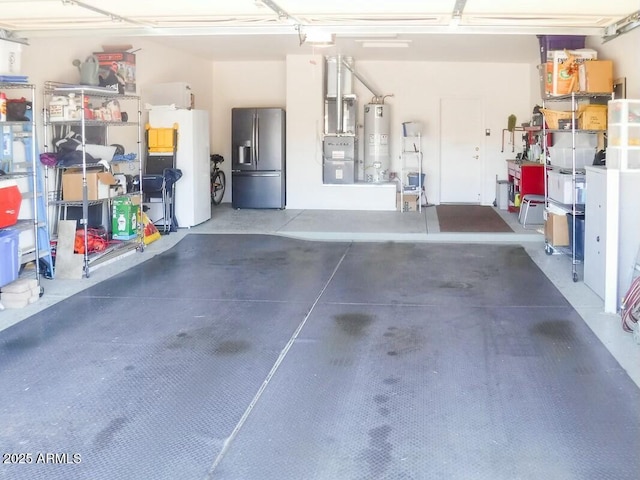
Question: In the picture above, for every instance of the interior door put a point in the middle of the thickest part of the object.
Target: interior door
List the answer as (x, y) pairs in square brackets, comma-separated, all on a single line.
[(461, 149)]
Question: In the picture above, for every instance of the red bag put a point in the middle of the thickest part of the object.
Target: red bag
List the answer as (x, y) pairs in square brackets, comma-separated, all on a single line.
[(96, 240)]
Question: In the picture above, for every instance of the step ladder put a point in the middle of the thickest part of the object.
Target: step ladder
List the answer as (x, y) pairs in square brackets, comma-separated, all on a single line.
[(35, 218)]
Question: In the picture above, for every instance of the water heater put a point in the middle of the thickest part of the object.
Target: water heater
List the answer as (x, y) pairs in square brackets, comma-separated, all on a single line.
[(377, 160)]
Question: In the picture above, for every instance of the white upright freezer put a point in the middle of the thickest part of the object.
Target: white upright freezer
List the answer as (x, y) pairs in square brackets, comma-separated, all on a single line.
[(192, 191)]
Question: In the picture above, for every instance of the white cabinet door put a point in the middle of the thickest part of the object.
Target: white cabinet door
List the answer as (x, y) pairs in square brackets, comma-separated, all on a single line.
[(594, 230)]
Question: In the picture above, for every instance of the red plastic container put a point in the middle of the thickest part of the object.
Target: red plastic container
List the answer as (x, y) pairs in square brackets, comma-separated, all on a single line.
[(10, 200)]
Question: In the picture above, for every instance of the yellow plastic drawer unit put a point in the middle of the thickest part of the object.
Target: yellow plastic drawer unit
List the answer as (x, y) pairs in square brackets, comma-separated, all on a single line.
[(161, 140)]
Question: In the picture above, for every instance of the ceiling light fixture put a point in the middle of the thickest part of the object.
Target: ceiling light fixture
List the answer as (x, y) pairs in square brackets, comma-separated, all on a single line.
[(319, 37), (384, 43), (315, 37)]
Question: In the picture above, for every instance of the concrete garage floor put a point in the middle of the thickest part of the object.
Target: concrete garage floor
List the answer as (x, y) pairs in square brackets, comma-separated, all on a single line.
[(370, 226), (403, 355)]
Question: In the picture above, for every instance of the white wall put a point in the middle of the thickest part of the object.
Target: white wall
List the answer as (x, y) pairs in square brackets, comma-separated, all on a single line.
[(242, 84), (154, 64), (305, 127), (296, 84), (625, 53), (418, 87)]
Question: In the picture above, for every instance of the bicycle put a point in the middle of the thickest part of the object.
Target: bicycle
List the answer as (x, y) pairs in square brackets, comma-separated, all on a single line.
[(218, 179)]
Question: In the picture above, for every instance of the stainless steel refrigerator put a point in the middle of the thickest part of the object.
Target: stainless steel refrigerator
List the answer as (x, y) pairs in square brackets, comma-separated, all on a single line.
[(258, 158)]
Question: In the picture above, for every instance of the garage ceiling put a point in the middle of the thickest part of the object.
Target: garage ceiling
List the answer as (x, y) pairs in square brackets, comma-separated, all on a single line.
[(456, 30)]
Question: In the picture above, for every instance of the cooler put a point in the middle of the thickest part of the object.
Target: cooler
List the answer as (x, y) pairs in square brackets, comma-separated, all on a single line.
[(10, 200)]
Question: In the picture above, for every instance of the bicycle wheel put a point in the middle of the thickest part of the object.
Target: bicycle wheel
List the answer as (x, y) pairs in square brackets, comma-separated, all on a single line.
[(218, 183)]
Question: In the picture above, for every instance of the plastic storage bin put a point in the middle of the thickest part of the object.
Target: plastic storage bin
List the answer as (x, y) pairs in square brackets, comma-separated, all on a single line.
[(579, 246), (559, 42), (616, 157), (560, 187), (502, 194), (9, 259), (563, 157), (623, 135), (413, 179), (624, 111)]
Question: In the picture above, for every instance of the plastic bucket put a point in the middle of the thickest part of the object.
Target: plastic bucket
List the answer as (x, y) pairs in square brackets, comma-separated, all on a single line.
[(413, 179)]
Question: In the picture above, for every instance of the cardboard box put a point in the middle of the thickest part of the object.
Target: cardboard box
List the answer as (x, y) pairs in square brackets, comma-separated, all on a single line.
[(563, 77), (99, 184), (592, 117), (580, 55), (556, 230), (410, 203), (117, 70), (128, 168), (125, 219), (596, 76)]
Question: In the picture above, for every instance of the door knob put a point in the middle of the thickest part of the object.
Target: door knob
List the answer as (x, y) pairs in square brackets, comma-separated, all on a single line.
[(476, 157)]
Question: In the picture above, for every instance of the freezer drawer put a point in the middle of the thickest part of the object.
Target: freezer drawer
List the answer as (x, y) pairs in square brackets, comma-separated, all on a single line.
[(258, 190)]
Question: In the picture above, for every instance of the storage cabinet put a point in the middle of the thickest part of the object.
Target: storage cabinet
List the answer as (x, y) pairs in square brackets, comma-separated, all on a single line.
[(525, 178), (612, 232), (85, 111), (23, 192)]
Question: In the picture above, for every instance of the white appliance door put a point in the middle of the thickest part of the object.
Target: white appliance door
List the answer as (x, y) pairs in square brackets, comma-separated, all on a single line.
[(192, 194)]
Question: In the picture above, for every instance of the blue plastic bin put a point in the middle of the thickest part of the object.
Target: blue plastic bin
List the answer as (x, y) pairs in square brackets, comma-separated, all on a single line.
[(579, 234), (9, 260), (413, 179)]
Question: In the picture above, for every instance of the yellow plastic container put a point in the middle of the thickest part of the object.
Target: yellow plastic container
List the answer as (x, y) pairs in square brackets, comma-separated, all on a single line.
[(161, 139)]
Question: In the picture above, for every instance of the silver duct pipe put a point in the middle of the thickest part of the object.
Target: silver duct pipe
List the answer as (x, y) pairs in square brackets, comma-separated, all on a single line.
[(355, 74), (339, 107)]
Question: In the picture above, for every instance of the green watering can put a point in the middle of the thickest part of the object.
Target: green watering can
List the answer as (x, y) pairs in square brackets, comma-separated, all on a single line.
[(88, 70)]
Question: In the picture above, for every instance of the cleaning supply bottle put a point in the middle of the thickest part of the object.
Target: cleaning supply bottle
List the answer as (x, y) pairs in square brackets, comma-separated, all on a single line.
[(3, 107), (122, 223), (71, 108)]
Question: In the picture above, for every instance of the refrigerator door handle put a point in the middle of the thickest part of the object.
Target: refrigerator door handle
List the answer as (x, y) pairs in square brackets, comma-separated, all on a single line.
[(254, 139), (243, 173), (257, 143)]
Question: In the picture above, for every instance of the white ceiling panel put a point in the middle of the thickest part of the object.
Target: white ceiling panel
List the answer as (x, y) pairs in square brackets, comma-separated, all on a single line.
[(212, 23), (32, 16)]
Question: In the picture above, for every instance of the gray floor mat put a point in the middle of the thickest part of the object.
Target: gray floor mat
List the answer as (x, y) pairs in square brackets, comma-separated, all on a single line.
[(415, 362)]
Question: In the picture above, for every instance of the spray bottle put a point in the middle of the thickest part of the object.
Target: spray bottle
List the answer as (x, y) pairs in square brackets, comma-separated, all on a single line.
[(3, 107)]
